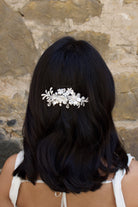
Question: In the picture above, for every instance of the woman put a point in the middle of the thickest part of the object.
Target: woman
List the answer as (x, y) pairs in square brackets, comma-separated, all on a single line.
[(71, 154)]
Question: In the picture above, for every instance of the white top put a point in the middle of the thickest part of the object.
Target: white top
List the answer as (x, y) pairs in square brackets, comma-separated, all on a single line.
[(116, 181)]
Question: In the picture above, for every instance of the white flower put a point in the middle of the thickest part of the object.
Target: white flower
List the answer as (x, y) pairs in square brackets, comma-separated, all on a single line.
[(60, 91), (70, 91), (55, 102), (61, 99), (64, 96)]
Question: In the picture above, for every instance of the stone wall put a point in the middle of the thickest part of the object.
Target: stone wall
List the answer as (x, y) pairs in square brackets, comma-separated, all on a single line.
[(28, 27)]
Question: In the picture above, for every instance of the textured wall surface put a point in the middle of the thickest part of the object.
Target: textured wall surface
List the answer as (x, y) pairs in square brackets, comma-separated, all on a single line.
[(28, 27)]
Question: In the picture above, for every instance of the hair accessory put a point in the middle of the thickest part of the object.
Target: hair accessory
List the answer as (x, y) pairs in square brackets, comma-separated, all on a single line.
[(64, 96)]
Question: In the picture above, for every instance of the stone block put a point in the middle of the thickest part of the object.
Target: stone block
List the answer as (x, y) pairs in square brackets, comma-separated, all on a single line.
[(46, 11), (126, 81), (130, 1), (130, 140), (126, 106), (12, 131), (11, 122), (137, 47), (16, 4), (17, 50), (14, 105)]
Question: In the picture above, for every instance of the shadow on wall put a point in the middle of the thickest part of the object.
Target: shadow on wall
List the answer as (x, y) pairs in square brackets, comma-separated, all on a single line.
[(8, 148)]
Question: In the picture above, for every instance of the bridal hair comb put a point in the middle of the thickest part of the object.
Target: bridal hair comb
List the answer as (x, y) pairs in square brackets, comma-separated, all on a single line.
[(64, 96)]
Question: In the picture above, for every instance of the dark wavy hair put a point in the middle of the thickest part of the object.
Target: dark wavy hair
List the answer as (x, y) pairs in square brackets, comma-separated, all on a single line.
[(75, 149)]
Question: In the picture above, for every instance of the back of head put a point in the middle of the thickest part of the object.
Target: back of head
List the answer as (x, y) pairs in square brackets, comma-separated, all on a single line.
[(72, 149)]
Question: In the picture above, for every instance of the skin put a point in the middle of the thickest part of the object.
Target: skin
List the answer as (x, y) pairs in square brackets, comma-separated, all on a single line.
[(41, 194)]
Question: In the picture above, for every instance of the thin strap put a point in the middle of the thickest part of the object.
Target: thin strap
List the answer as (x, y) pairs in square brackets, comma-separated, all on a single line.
[(16, 181), (64, 200), (117, 188), (13, 194), (130, 158), (107, 181), (19, 159)]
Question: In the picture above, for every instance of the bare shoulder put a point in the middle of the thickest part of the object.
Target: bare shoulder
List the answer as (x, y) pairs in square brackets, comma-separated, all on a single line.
[(134, 167), (133, 171), (130, 184), (9, 163), (6, 176)]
